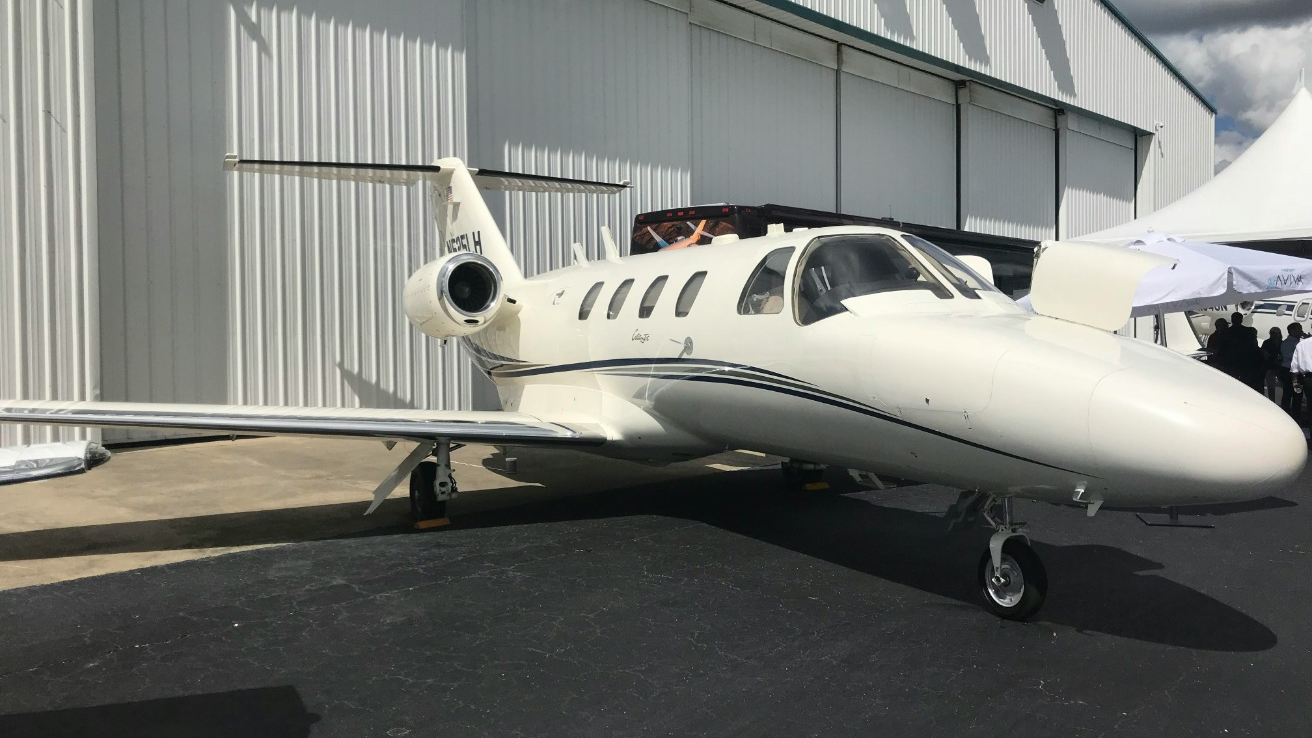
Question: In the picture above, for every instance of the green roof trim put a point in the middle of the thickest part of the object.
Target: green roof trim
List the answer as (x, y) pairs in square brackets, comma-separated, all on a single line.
[(832, 23)]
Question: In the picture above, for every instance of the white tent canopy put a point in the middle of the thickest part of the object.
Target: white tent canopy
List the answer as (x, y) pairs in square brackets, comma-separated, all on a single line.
[(1266, 194), (1212, 274)]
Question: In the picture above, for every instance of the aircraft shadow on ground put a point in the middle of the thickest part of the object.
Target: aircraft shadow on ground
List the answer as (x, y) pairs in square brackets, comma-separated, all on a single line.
[(271, 712), (1095, 588)]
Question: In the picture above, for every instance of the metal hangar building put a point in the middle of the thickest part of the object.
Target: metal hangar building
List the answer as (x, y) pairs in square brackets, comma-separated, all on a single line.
[(135, 269)]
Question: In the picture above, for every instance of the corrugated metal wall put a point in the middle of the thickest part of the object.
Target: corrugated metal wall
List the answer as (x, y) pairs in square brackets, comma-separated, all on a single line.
[(243, 289), (1098, 183), (317, 268), (1074, 51), (765, 127), (164, 262), (569, 88), (899, 142), (48, 317), (1008, 166)]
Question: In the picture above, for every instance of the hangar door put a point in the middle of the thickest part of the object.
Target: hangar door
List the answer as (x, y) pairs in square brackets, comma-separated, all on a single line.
[(1098, 172), (1008, 165), (898, 141), (763, 109)]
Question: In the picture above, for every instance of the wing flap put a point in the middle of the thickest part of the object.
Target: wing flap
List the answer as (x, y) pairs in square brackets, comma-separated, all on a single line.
[(413, 425)]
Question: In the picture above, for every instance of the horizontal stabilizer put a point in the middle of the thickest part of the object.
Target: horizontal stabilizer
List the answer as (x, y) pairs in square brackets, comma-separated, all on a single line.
[(408, 174), (414, 425), (49, 460)]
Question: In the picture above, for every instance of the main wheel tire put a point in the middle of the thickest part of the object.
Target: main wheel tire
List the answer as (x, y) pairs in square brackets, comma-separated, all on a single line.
[(424, 504), (1023, 585)]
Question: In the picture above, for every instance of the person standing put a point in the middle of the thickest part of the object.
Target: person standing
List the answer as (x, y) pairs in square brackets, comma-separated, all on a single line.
[(1246, 358), (1216, 346), (1300, 366), (1271, 363), (1289, 400)]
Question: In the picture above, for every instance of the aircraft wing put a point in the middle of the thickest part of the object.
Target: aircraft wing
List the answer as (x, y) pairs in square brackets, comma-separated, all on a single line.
[(497, 428)]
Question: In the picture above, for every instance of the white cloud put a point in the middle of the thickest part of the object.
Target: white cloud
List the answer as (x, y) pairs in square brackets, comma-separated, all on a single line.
[(1229, 145), (1248, 73)]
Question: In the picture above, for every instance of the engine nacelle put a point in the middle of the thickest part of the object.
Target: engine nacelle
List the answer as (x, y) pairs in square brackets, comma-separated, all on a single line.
[(454, 296)]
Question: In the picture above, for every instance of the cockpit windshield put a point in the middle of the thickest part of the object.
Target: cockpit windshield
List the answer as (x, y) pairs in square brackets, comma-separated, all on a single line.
[(967, 281), (835, 268)]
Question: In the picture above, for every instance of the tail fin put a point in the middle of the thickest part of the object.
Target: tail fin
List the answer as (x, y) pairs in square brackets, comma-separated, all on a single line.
[(464, 222)]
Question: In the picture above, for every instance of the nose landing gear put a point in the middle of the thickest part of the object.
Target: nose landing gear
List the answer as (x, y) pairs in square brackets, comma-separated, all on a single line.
[(1012, 580)]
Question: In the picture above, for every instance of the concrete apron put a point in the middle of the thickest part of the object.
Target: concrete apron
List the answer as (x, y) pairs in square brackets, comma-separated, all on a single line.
[(164, 504)]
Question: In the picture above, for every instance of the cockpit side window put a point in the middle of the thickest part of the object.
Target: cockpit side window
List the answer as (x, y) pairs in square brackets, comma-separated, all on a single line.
[(764, 292), (967, 281), (835, 268)]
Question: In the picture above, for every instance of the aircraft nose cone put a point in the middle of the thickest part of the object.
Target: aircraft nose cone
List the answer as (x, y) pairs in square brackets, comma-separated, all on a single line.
[(1191, 438)]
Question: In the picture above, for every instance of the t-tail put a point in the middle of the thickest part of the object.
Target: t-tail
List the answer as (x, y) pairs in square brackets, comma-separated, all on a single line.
[(464, 222)]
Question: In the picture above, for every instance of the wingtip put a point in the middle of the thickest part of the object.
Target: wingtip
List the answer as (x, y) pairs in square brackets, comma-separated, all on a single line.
[(229, 162)]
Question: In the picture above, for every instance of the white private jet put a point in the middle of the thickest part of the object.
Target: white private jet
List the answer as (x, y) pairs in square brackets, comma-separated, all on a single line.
[(860, 347)]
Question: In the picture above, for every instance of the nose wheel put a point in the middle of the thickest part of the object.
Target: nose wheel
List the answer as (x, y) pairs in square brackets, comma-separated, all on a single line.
[(1016, 587), (1012, 580)]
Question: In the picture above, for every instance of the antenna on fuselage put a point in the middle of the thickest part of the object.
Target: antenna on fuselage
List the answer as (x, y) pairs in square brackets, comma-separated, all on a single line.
[(608, 242), (580, 256)]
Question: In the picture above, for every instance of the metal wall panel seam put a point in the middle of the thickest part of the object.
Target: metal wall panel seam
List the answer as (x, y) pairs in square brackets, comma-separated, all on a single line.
[(38, 244), (13, 318), (84, 173)]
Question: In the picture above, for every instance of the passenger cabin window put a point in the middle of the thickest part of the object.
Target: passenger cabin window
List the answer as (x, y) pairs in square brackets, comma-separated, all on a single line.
[(688, 295), (967, 281), (589, 300), (617, 299), (764, 293), (649, 298), (1300, 312), (836, 268)]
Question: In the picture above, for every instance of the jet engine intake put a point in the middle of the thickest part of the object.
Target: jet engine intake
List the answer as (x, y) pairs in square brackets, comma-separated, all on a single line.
[(454, 296)]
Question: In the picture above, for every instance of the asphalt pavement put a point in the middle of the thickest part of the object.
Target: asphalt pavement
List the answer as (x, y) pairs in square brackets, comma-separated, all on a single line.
[(712, 603)]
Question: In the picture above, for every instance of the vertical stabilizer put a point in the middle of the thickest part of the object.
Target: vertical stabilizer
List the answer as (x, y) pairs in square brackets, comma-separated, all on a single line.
[(464, 222)]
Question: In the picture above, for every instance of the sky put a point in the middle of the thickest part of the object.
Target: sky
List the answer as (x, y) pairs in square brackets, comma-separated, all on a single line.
[(1243, 55)]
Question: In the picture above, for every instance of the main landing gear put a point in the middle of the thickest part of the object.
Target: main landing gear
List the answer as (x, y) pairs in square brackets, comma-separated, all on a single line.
[(431, 485), (803, 475), (1012, 580)]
